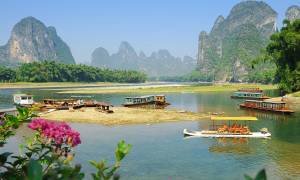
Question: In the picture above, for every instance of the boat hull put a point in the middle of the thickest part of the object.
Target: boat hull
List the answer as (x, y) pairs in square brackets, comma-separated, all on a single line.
[(201, 134), (146, 103)]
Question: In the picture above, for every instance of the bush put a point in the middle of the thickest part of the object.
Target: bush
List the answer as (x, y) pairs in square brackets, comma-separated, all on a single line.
[(50, 153)]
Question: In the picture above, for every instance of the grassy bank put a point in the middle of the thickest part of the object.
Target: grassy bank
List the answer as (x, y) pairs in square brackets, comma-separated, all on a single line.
[(52, 84), (167, 89), (123, 115), (296, 94)]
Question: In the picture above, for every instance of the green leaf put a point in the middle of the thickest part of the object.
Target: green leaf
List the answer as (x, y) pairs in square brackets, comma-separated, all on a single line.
[(248, 177), (4, 156), (35, 171), (93, 163), (261, 175), (122, 150)]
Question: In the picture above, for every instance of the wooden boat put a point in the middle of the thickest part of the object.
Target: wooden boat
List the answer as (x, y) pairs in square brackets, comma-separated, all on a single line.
[(104, 107), (58, 104), (159, 100), (231, 131), (249, 95), (272, 106)]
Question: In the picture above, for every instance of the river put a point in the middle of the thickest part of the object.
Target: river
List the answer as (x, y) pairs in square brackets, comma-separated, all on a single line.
[(159, 151)]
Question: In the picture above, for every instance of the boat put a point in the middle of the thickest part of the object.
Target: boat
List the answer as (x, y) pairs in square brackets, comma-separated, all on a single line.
[(59, 104), (104, 107), (249, 95), (235, 130), (271, 106), (253, 90), (159, 100), (23, 100)]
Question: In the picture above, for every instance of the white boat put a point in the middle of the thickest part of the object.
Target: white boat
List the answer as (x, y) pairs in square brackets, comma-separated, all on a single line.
[(221, 135), (23, 99), (234, 129)]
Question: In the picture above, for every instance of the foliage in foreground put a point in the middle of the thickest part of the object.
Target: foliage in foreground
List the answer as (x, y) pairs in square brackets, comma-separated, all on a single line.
[(261, 175), (50, 153), (50, 71)]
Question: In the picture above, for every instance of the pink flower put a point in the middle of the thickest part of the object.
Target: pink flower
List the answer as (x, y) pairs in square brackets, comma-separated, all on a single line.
[(60, 133)]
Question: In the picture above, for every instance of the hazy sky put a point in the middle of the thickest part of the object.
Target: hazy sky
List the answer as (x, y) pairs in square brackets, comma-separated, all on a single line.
[(147, 25)]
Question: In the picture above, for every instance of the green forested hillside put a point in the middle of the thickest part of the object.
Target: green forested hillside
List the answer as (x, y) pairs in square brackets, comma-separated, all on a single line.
[(226, 53), (50, 71)]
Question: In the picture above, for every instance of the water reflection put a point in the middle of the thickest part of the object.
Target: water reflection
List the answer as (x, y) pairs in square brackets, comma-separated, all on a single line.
[(231, 145)]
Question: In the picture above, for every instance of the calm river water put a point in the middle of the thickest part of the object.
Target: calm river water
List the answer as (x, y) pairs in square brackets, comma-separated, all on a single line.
[(160, 151)]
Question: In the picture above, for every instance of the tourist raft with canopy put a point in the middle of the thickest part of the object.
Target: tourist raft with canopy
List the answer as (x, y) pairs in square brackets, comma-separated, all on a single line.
[(235, 127)]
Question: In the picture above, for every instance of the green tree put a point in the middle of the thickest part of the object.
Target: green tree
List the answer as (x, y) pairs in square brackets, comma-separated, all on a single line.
[(7, 74), (51, 71), (284, 50)]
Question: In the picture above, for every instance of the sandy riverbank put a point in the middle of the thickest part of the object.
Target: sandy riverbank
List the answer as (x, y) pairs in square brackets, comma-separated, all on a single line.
[(166, 89), (123, 115)]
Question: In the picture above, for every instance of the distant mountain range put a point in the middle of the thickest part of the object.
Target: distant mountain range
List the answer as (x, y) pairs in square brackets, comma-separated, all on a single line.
[(31, 40), (160, 63), (225, 53), (227, 50)]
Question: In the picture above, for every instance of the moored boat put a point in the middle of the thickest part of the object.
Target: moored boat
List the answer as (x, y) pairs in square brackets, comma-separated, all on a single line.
[(23, 100), (159, 100), (249, 95), (271, 106), (235, 130)]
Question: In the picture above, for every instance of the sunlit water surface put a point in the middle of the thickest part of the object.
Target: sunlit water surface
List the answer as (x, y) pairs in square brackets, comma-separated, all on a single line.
[(160, 151)]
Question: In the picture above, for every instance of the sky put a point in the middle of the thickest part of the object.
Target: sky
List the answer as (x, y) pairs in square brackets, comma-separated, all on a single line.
[(148, 25)]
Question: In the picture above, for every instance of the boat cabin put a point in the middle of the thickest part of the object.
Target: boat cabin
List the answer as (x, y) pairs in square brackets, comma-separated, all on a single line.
[(139, 100), (23, 99), (241, 94), (276, 106), (160, 98), (104, 107), (266, 104), (65, 102), (250, 90)]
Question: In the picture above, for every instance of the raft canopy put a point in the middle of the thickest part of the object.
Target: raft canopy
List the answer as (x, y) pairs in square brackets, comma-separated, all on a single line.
[(242, 118)]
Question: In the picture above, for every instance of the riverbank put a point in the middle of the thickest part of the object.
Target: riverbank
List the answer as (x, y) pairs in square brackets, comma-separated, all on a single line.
[(123, 116), (166, 89), (295, 94), (55, 84), (289, 99)]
